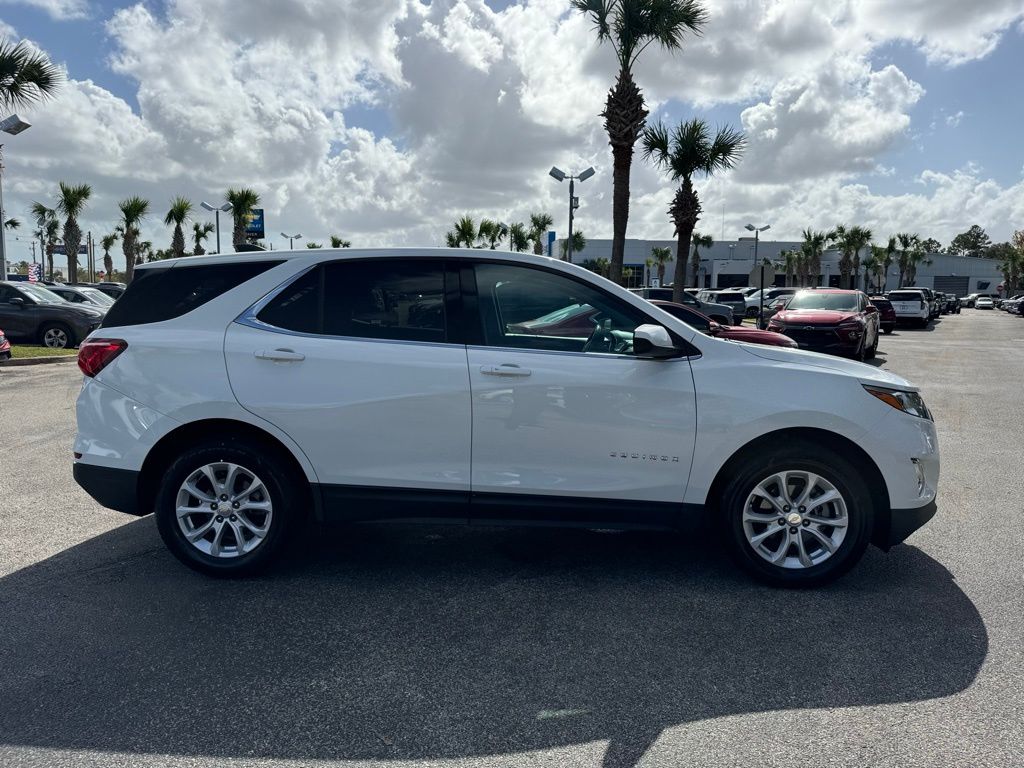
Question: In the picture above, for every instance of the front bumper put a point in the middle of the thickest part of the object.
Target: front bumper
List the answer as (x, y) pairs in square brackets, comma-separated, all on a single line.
[(903, 522), (116, 489)]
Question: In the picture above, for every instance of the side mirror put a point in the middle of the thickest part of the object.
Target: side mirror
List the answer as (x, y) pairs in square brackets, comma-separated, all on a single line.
[(871, 309), (714, 328), (653, 342), (18, 302)]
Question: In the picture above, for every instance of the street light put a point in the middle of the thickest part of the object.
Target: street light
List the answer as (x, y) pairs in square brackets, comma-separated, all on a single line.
[(757, 236), (12, 125), (574, 202), (216, 213), (291, 240)]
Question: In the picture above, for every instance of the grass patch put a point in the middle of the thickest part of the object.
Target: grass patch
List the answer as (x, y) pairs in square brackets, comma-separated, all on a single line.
[(22, 351)]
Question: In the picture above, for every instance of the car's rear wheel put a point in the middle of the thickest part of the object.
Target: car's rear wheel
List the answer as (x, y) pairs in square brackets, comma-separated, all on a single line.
[(226, 509), (56, 336), (800, 516)]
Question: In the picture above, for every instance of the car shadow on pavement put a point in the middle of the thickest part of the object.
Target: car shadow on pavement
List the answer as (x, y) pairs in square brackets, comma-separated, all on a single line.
[(417, 642)]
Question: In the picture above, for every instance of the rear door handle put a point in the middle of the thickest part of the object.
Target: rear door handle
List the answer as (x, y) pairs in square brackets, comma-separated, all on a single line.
[(507, 369), (280, 355)]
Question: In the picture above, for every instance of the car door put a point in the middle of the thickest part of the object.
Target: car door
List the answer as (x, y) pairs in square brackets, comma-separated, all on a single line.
[(567, 423), (15, 320), (353, 361)]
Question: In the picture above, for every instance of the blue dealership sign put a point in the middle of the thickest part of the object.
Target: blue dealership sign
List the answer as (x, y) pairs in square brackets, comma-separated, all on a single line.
[(254, 224)]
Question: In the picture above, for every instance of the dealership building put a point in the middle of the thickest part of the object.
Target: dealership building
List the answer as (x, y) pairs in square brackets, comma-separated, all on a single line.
[(732, 263)]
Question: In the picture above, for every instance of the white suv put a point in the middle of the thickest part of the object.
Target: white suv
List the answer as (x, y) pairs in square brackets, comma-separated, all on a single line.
[(236, 395)]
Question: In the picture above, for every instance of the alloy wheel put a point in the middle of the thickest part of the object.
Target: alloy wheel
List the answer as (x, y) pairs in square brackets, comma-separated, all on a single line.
[(795, 519), (224, 510), (55, 338)]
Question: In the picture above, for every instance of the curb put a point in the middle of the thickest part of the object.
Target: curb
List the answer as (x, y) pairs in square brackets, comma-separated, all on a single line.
[(15, 362)]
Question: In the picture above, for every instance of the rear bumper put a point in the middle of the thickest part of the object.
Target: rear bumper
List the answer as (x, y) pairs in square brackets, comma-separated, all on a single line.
[(903, 522), (116, 489)]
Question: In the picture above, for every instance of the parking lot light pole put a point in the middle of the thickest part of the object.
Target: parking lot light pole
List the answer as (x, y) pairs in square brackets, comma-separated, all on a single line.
[(574, 202), (12, 125), (216, 214), (757, 235), (291, 240)]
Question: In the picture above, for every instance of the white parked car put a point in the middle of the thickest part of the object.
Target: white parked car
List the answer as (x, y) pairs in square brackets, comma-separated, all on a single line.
[(984, 302), (235, 395), (911, 306)]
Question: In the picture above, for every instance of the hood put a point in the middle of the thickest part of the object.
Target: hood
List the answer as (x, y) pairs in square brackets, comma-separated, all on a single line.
[(814, 316), (90, 312), (739, 333), (869, 374)]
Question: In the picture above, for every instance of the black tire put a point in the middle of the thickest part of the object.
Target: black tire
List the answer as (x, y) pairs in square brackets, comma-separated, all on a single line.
[(56, 336), (807, 457), (286, 494), (887, 329)]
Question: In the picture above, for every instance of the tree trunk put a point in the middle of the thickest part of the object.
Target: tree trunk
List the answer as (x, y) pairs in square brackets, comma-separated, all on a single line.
[(685, 212), (695, 263), (178, 241), (49, 259), (199, 250), (72, 240), (661, 273), (238, 235), (108, 266), (624, 119), (128, 247)]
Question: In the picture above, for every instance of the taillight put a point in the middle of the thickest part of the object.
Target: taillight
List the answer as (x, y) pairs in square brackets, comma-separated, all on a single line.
[(96, 354)]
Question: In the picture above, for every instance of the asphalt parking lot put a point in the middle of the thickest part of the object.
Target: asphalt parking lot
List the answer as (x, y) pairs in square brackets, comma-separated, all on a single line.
[(415, 645)]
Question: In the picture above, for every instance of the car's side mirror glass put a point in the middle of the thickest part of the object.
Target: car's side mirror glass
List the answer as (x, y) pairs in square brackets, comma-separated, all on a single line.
[(714, 328), (871, 309), (653, 342)]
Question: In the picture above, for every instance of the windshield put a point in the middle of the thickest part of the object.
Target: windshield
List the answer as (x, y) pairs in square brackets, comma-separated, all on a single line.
[(40, 294), (842, 302), (98, 297)]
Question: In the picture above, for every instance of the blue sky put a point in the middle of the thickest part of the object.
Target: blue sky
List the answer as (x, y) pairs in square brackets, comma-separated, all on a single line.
[(428, 142)]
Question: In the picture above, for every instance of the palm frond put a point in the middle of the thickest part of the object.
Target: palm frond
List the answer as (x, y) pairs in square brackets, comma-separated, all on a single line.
[(27, 75)]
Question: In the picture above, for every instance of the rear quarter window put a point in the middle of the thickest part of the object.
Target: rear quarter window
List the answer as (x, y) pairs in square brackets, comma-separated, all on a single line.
[(163, 293)]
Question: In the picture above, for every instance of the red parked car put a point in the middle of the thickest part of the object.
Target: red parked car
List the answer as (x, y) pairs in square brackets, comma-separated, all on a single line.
[(5, 347), (886, 313), (734, 332), (830, 320)]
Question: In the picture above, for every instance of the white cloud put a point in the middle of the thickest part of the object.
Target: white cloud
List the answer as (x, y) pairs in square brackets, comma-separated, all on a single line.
[(57, 9), (954, 120), (470, 107)]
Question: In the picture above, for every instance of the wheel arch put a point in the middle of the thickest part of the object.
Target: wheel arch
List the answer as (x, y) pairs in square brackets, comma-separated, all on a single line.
[(849, 450), (170, 445)]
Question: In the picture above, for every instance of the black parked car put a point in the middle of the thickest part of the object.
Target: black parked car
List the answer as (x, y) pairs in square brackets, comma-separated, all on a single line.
[(37, 314), (83, 294)]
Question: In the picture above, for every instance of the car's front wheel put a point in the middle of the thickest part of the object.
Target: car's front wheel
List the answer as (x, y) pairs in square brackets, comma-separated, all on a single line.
[(799, 516), (226, 509), (56, 336)]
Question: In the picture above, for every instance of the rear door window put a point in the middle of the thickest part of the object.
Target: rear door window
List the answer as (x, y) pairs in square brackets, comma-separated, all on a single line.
[(163, 293)]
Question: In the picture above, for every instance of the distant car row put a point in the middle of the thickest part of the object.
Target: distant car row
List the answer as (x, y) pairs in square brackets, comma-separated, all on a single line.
[(53, 314)]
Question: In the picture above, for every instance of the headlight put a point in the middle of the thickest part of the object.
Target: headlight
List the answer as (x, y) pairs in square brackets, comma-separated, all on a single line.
[(908, 402)]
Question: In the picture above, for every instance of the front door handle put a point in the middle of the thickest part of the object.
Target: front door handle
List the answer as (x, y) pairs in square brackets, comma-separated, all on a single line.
[(507, 369), (280, 355)]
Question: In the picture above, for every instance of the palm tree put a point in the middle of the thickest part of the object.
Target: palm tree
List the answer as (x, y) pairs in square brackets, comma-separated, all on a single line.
[(540, 223), (51, 234), (12, 224), (699, 241), (199, 233), (337, 242), (598, 266), (106, 243), (180, 211), (660, 257), (915, 258), (813, 247), (689, 149), (71, 202), (133, 210), (491, 232), (907, 242), (463, 235), (579, 242), (630, 26), (850, 240), (518, 237), (790, 264), (27, 76), (242, 201)]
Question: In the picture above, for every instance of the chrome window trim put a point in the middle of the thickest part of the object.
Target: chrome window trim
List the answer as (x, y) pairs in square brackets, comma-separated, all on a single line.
[(606, 355)]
